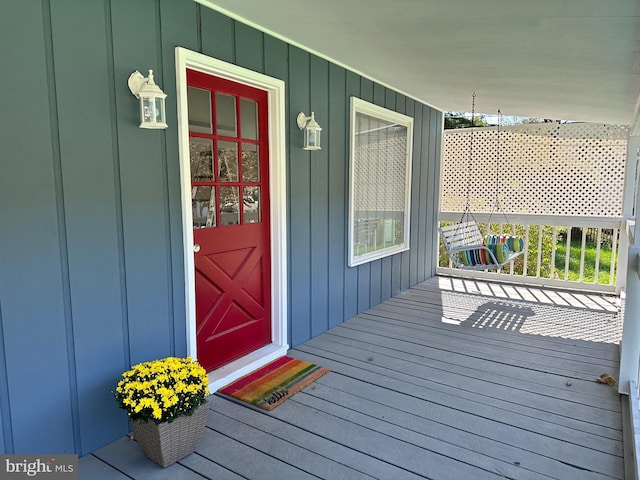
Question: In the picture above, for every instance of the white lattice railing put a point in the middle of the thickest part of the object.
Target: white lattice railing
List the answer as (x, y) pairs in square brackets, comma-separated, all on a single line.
[(561, 251), (533, 167)]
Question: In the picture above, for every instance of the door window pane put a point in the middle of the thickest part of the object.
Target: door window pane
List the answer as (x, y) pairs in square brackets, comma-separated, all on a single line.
[(203, 206), (199, 105), (228, 161), (250, 163), (251, 204), (201, 152), (249, 118), (226, 124), (229, 206)]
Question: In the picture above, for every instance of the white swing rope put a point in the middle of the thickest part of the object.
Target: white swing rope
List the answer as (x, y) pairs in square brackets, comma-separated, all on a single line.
[(466, 213), (497, 206)]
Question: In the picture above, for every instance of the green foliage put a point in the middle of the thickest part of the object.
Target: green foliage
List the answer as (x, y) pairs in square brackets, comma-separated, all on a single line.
[(589, 261), (459, 120), (541, 241)]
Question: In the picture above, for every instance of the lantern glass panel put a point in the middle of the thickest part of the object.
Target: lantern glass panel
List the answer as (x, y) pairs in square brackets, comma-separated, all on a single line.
[(159, 110), (148, 110)]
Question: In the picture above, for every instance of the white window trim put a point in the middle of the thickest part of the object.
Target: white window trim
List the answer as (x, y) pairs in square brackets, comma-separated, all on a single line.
[(360, 106), (275, 89)]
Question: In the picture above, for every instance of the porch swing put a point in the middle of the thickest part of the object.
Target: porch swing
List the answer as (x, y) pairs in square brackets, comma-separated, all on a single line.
[(466, 246)]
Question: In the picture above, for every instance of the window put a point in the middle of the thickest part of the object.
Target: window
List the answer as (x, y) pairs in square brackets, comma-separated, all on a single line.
[(380, 182)]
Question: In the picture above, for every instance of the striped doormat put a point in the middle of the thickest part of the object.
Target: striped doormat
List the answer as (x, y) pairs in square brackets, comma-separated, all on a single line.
[(272, 384)]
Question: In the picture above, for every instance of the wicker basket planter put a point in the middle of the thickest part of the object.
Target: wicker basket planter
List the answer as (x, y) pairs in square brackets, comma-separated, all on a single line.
[(166, 443)]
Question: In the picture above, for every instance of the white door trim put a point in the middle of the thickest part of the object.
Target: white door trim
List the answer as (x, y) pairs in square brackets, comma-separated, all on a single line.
[(275, 89)]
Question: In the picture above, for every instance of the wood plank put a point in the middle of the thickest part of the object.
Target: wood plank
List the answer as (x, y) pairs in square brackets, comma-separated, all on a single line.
[(587, 391), (319, 208), (587, 386), (411, 427), (469, 369), (528, 343), (460, 308), (486, 409), (147, 296), (342, 365), (417, 209), (415, 398), (554, 298), (218, 35), (407, 106), (381, 445), (434, 322), (310, 441), (529, 437), (276, 53), (299, 183), (530, 404), (429, 325), (91, 467), (431, 292), (183, 30), (439, 297), (282, 448), (337, 188), (426, 210), (542, 295), (126, 456), (249, 47), (209, 469), (433, 190), (389, 272), (33, 280), (364, 286), (506, 353), (351, 275), (244, 460), (457, 316), (92, 219), (367, 272)]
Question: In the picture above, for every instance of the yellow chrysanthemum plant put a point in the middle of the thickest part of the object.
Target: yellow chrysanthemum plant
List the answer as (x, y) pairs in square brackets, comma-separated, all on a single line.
[(162, 390)]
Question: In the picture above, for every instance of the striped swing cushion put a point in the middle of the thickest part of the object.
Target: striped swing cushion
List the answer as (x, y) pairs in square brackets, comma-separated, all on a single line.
[(515, 243), (502, 246), (479, 256)]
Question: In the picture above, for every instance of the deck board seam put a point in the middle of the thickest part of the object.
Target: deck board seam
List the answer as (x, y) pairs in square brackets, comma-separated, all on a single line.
[(443, 404), (366, 346), (559, 418)]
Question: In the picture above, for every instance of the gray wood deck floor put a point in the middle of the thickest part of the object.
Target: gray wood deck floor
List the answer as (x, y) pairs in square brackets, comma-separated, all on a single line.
[(452, 380)]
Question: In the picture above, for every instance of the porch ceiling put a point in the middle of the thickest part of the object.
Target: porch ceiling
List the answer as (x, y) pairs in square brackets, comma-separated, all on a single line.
[(574, 59)]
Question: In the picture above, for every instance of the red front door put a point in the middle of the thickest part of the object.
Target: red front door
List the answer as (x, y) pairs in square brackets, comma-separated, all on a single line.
[(228, 137)]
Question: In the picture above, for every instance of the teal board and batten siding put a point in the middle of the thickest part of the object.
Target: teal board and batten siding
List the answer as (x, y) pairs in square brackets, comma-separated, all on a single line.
[(91, 254)]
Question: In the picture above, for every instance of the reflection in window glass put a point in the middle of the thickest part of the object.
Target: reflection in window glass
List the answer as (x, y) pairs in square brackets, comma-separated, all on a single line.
[(251, 204), (227, 161), (203, 206), (250, 163), (226, 115), (249, 118), (201, 153), (199, 106), (229, 206), (380, 179)]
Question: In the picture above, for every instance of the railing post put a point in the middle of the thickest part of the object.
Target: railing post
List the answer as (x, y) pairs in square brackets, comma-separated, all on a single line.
[(623, 256)]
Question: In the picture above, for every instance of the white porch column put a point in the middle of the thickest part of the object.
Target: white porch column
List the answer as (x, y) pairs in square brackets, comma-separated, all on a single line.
[(630, 346)]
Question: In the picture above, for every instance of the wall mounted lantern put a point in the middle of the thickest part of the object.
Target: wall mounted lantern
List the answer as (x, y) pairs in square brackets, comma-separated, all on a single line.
[(152, 109), (311, 131)]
